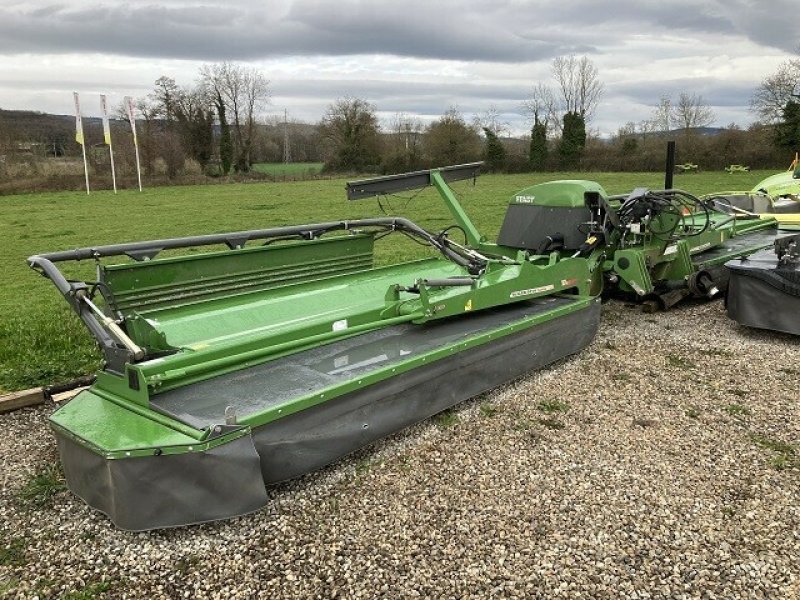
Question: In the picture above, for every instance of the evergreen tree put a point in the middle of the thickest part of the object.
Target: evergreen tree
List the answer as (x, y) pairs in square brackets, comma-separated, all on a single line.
[(538, 150), (573, 139), (225, 141), (787, 132), (494, 152)]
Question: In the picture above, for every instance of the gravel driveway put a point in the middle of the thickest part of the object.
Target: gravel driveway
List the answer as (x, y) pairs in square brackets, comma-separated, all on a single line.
[(663, 461)]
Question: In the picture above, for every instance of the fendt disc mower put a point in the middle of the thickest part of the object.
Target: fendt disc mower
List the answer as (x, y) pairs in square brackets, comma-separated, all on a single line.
[(233, 369)]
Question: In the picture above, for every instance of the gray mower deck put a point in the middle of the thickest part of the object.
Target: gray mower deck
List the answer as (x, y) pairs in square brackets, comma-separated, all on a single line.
[(740, 245), (279, 381)]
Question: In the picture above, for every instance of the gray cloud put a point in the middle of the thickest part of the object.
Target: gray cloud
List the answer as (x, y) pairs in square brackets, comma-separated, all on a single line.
[(716, 92), (503, 31), (466, 53)]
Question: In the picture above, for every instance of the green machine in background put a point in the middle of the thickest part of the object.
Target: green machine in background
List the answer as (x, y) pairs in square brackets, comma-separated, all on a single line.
[(283, 349), (776, 197), (655, 246)]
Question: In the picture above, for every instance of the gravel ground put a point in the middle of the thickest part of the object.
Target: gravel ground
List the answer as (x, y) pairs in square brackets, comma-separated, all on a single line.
[(663, 461)]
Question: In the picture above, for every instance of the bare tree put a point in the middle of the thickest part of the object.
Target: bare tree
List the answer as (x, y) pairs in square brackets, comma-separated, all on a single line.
[(164, 97), (408, 130), (245, 92), (775, 91), (645, 127), (579, 85), (403, 144), (627, 130), (691, 111), (662, 114), (541, 105), (492, 120)]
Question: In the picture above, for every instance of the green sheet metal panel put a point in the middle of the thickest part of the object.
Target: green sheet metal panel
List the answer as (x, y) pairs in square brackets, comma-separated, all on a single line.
[(151, 285)]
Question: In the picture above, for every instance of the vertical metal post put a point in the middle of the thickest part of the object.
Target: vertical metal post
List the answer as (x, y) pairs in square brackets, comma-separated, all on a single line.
[(113, 172), (85, 167), (669, 170)]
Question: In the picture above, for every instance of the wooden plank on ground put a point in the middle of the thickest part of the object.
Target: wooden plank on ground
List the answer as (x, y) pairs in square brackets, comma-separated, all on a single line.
[(68, 395), (21, 399)]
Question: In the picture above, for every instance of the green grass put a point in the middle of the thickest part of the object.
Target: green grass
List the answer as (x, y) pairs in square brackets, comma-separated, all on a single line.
[(89, 592), (551, 423), (736, 410), (446, 419), (12, 553), (42, 487), (782, 455), (288, 169), (674, 360), (488, 409), (552, 406), (41, 341)]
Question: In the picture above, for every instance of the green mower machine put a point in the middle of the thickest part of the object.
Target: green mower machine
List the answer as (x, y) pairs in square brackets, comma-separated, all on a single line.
[(229, 370)]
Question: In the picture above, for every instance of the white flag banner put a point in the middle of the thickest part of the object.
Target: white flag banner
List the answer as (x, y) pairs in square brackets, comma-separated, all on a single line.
[(107, 138), (78, 120), (79, 137), (131, 115), (106, 124), (132, 118)]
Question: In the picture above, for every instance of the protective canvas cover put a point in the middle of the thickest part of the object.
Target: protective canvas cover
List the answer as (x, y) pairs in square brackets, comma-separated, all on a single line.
[(230, 480), (764, 292)]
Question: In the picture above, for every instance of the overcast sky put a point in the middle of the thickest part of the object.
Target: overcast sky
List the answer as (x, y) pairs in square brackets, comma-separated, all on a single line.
[(409, 56)]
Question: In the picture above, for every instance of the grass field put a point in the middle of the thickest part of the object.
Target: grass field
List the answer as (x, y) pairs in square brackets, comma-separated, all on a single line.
[(288, 169), (41, 341)]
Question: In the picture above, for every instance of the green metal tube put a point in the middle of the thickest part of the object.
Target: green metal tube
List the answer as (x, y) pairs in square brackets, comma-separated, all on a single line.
[(456, 210), (234, 359), (145, 412)]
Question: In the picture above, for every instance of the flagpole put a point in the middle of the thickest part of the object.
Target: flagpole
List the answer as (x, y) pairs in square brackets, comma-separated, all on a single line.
[(113, 174), (80, 139), (132, 119), (138, 166), (107, 139), (85, 168)]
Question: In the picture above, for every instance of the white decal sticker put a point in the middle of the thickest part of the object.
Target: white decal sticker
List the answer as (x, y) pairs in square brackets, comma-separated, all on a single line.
[(531, 291), (340, 325), (701, 247)]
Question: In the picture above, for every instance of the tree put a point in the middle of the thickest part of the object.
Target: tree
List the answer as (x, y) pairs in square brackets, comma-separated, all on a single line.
[(776, 90), (542, 107), (537, 155), (450, 141), (491, 119), (164, 97), (225, 142), (146, 134), (494, 153), (662, 114), (645, 127), (245, 92), (626, 136), (403, 148), (787, 132), (579, 85), (187, 114), (691, 112), (573, 139), (350, 130)]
